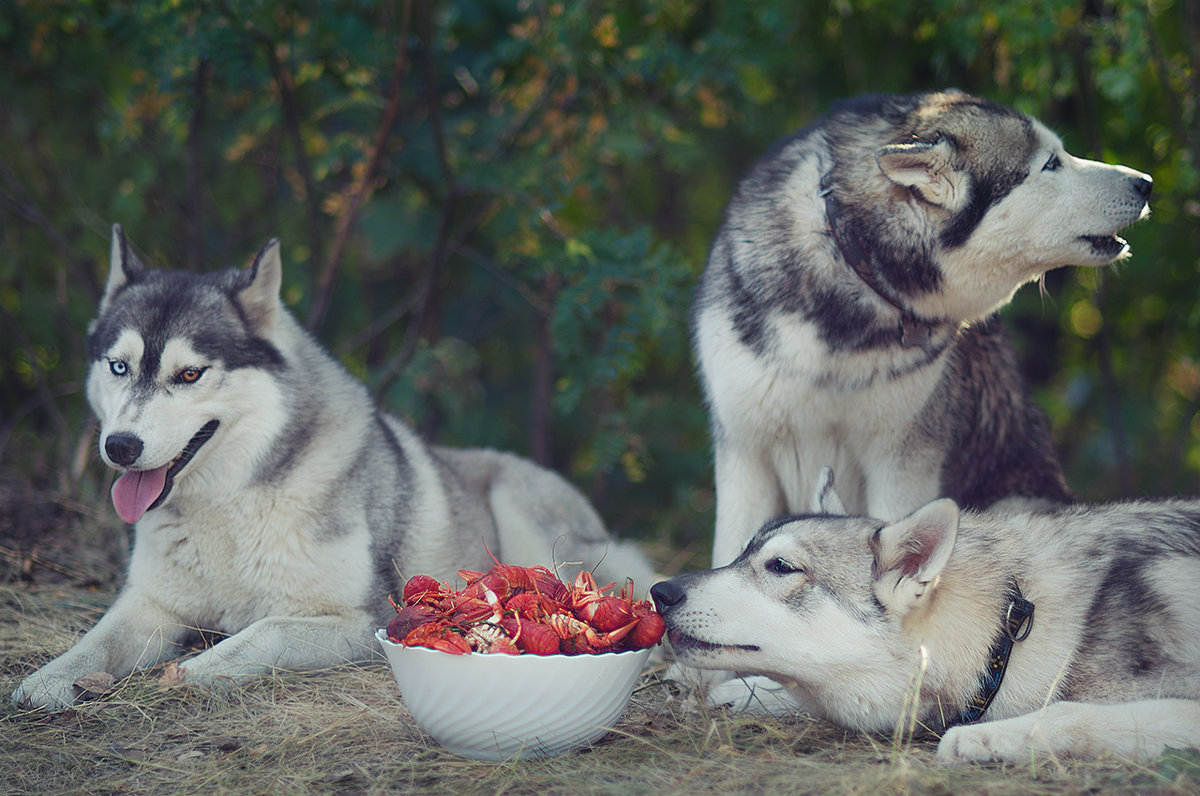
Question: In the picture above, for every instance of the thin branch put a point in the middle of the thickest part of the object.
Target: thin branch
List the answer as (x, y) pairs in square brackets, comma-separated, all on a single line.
[(1179, 444), (333, 265), (443, 247), (1116, 424), (442, 250), (537, 302), (46, 396), (400, 308), (380, 324), (1183, 128), (17, 199), (195, 166), (508, 139), (541, 409), (424, 292), (428, 74), (291, 123)]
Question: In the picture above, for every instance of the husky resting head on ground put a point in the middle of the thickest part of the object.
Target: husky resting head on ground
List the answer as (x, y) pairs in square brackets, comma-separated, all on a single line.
[(273, 502), (1094, 608), (844, 317)]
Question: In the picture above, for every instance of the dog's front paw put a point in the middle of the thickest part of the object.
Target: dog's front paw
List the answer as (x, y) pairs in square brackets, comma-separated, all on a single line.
[(46, 691), (994, 741), (757, 695)]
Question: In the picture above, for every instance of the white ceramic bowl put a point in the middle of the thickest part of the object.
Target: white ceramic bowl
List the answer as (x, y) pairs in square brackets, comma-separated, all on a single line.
[(499, 707)]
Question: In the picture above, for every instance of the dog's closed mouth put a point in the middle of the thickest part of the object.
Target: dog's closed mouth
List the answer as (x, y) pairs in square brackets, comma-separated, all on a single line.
[(1105, 245), (683, 642), (139, 491)]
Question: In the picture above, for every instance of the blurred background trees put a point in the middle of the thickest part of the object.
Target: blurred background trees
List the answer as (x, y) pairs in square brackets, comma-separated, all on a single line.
[(495, 211)]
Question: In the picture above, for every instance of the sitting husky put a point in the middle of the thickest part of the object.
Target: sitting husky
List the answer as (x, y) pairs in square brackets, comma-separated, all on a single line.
[(273, 501), (1075, 631), (844, 317)]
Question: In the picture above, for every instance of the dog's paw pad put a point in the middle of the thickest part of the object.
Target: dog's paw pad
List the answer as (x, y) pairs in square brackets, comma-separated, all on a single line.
[(979, 744)]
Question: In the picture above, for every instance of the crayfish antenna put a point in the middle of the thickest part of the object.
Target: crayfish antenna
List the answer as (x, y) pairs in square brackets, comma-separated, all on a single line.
[(491, 555)]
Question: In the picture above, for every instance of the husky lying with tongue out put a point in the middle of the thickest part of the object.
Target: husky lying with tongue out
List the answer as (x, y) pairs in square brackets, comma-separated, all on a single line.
[(273, 502)]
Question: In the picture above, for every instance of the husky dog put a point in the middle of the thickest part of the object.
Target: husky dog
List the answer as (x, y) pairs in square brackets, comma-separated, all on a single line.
[(273, 501), (845, 315), (873, 624)]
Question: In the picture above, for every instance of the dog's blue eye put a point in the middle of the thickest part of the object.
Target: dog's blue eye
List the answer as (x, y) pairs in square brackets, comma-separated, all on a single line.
[(781, 566), (1053, 164), (118, 367)]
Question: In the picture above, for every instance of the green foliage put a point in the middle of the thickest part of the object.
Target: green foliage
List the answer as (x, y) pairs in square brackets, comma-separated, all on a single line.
[(528, 190)]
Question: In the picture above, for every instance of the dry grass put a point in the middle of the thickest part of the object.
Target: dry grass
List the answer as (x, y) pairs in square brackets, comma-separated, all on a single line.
[(346, 731)]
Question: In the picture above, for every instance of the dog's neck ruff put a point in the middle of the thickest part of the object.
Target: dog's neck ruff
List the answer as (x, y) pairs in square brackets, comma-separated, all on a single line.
[(912, 331), (1018, 622)]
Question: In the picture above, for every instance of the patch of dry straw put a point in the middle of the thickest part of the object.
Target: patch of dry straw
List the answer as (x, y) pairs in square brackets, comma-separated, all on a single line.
[(345, 731)]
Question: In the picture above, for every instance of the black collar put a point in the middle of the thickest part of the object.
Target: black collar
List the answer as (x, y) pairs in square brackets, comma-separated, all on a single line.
[(1018, 622), (913, 331)]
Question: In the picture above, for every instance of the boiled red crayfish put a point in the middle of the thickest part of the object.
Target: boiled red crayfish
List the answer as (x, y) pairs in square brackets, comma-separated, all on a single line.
[(514, 610)]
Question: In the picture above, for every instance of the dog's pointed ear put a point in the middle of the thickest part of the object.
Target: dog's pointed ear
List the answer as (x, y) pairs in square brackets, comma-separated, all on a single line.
[(260, 299), (926, 168), (123, 267), (826, 499), (910, 554)]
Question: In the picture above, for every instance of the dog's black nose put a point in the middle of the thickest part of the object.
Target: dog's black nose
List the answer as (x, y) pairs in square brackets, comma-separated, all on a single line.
[(123, 449), (1143, 184), (667, 594)]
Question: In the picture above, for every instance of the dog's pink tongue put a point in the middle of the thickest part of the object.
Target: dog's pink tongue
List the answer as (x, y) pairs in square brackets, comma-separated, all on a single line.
[(133, 492)]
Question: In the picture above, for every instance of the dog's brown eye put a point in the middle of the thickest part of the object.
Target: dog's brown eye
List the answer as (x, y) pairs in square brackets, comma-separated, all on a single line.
[(780, 566), (189, 375)]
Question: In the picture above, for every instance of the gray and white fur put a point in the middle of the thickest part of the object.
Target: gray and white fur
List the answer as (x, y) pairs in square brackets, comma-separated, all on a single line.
[(872, 623), (273, 501), (846, 314)]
